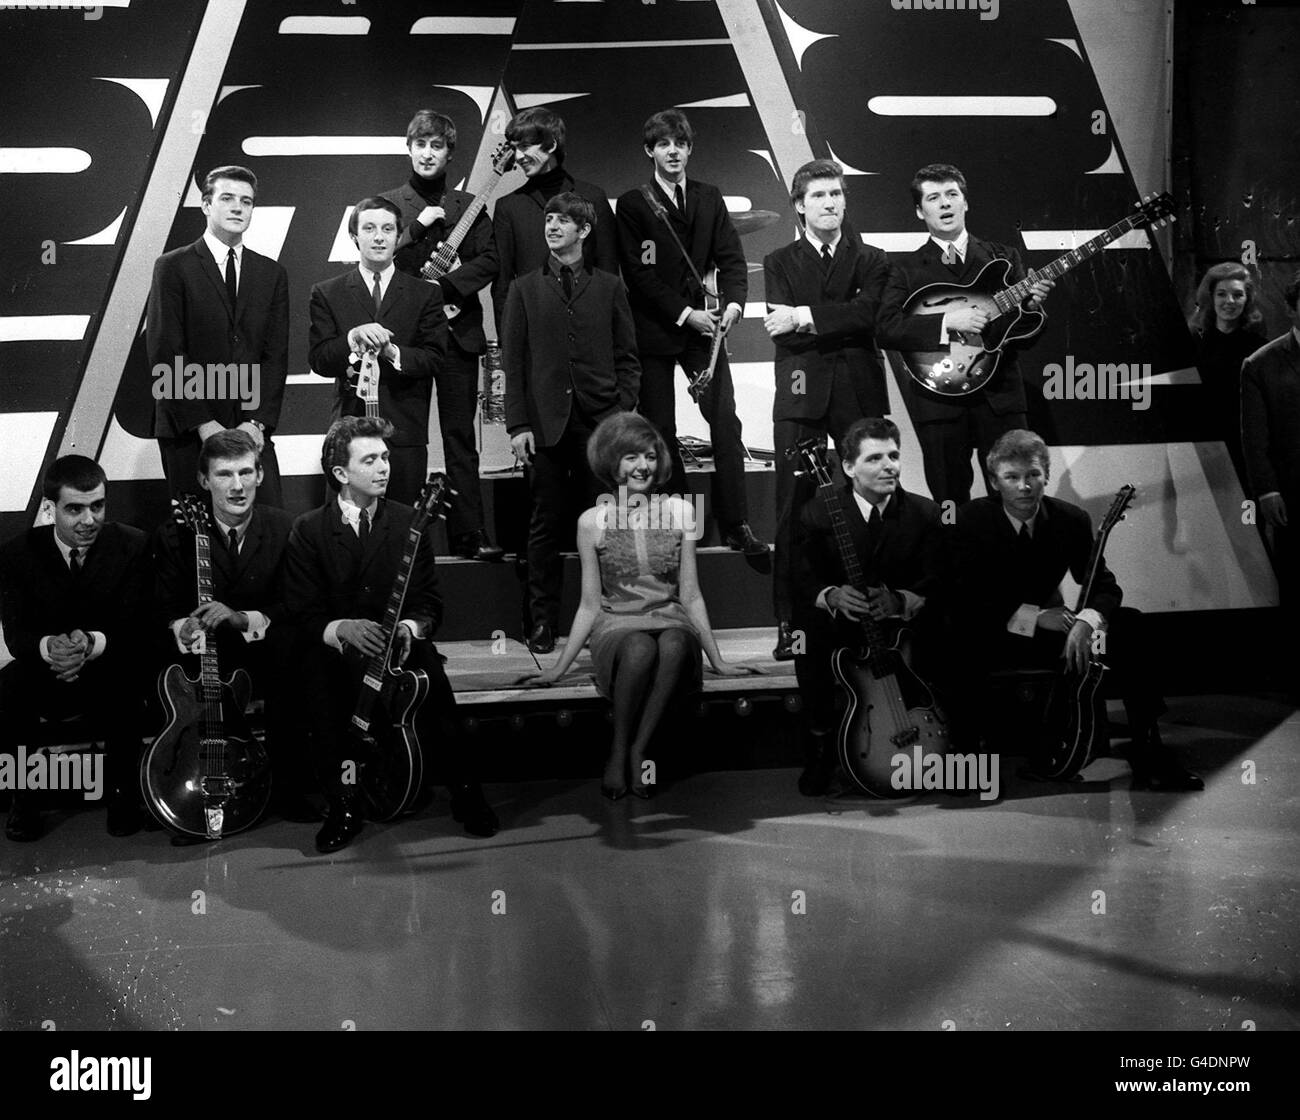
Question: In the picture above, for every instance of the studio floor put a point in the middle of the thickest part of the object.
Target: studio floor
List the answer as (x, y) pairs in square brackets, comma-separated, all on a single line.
[(728, 902)]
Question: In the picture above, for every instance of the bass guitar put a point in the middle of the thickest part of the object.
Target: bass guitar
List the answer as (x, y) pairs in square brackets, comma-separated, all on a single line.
[(1076, 723), (382, 728), (445, 258), (697, 381), (891, 711), (970, 359), (205, 775)]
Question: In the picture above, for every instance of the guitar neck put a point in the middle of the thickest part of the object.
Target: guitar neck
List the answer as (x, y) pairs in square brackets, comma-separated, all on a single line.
[(374, 670), (210, 668), (1010, 298), (440, 263), (849, 558)]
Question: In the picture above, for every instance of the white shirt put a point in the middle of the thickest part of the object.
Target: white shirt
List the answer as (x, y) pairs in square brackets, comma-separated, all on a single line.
[(220, 251), (385, 278), (101, 642), (670, 189), (960, 243)]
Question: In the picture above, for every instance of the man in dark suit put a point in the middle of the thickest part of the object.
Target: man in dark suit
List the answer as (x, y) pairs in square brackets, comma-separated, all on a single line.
[(672, 325), (221, 310), (897, 541), (1012, 549), (75, 611), (1270, 436), (570, 355), (823, 291), (341, 563), (376, 310), (949, 428), (429, 212), (537, 136), (246, 616)]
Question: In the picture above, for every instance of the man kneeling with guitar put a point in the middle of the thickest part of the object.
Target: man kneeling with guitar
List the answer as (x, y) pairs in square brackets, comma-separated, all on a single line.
[(360, 581), (869, 557), (1013, 548)]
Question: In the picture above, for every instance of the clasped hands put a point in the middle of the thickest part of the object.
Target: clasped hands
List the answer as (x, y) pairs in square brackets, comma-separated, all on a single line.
[(68, 653), (878, 603), (374, 337), (367, 636)]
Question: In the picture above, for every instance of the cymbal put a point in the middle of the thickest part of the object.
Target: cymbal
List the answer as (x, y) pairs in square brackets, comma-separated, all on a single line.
[(747, 221)]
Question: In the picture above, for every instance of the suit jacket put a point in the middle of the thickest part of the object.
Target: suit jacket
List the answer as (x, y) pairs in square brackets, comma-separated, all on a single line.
[(253, 581), (519, 223), (844, 305), (327, 576), (1270, 419), (907, 553), (660, 289), (190, 319), (40, 596), (1005, 392), (412, 310), (478, 255), (993, 579), (558, 353)]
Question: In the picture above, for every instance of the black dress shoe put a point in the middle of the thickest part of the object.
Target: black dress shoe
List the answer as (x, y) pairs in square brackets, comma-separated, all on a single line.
[(470, 808), (341, 825), (1156, 768), (740, 538), (784, 650), (23, 823), (124, 818), (476, 546), (542, 639)]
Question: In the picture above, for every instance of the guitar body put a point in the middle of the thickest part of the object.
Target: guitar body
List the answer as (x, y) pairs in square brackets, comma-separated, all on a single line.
[(391, 763), (697, 381), (1076, 723), (967, 363), (182, 775), (888, 714)]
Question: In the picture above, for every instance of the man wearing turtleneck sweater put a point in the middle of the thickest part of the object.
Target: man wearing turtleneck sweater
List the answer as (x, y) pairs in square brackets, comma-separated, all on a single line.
[(429, 213), (537, 136)]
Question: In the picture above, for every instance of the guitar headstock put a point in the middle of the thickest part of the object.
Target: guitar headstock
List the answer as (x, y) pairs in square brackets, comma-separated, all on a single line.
[(368, 378), (191, 511), (503, 158), (1114, 515), (428, 506), (1155, 210), (816, 461)]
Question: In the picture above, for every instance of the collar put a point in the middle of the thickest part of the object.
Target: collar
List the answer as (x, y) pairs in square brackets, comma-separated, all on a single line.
[(219, 250), (1033, 522), (817, 245), (430, 190), (241, 531), (961, 243), (384, 277), (65, 550), (865, 507), (670, 188), (554, 264), (352, 514)]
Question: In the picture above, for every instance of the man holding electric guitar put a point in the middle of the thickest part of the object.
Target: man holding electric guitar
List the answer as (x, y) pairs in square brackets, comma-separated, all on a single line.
[(375, 310), (360, 582), (447, 240), (671, 233), (951, 415)]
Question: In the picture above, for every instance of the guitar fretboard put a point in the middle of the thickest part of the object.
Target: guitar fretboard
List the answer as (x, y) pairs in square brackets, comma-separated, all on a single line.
[(853, 571), (374, 672), (213, 725), (440, 263)]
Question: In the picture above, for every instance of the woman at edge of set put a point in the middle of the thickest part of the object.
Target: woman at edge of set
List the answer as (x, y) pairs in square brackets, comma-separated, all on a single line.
[(1227, 328), (641, 604)]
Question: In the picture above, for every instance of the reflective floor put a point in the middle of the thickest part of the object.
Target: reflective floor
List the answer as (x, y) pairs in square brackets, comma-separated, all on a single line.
[(729, 902)]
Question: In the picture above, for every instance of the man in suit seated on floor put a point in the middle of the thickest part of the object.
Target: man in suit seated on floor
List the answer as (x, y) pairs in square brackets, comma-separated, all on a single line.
[(374, 309), (1012, 549), (569, 349), (898, 543), (246, 616), (342, 561), (76, 610)]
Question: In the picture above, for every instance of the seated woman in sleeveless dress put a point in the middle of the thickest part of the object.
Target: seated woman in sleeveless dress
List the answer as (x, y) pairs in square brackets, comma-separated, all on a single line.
[(641, 604)]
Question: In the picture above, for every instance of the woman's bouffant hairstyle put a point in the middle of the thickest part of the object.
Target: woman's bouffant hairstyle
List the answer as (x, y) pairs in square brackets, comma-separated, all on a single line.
[(622, 434), (1202, 319)]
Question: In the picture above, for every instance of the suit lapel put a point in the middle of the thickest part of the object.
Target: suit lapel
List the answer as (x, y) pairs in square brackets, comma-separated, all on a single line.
[(208, 266), (380, 527), (395, 294), (363, 295), (344, 538)]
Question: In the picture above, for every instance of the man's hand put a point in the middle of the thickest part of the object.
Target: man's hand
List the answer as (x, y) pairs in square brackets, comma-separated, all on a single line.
[(1273, 511), (1057, 619), (965, 320), (848, 601), (1078, 646), (210, 428), (523, 447), (884, 603), (363, 634), (369, 336), (431, 214), (401, 646), (731, 316), (68, 654), (212, 614), (1038, 292), (706, 322), (782, 319), (258, 436)]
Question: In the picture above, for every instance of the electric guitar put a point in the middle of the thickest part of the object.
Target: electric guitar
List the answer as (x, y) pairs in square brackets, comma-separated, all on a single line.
[(1076, 709), (382, 728), (970, 359), (204, 775), (367, 387), (698, 381), (891, 711), (444, 258)]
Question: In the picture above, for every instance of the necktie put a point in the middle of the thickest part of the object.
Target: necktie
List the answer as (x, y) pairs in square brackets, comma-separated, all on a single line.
[(1024, 543), (74, 561), (230, 276), (232, 542), (827, 259), (566, 278), (364, 525), (379, 296), (950, 253), (679, 198)]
